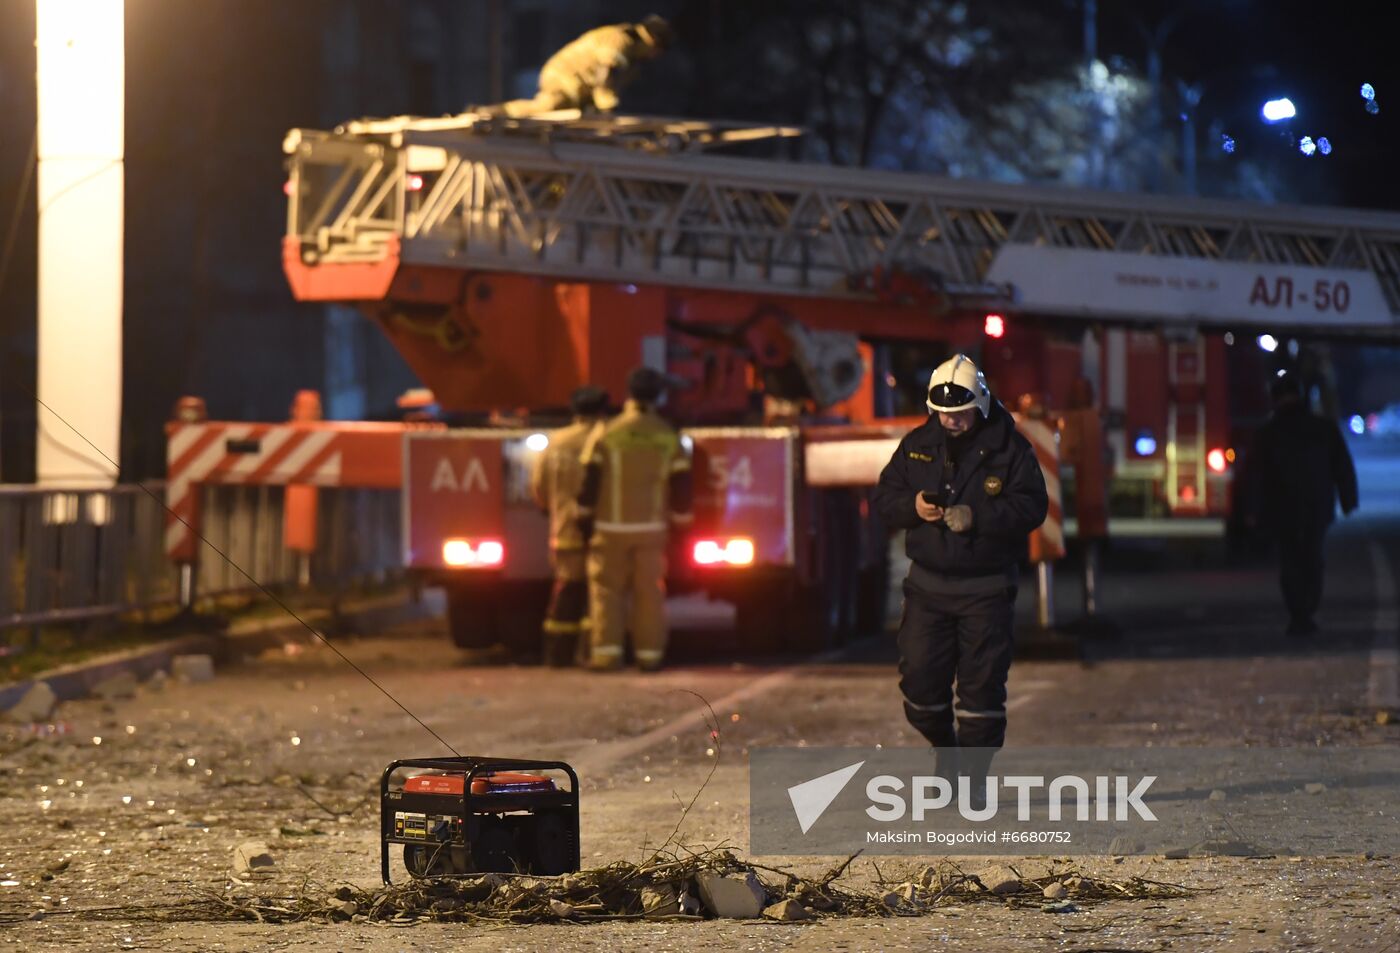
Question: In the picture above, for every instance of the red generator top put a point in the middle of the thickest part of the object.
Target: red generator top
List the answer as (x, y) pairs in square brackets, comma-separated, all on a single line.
[(496, 782)]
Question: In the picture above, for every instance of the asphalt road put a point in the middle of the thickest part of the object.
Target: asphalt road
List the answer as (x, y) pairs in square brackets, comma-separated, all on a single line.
[(286, 747)]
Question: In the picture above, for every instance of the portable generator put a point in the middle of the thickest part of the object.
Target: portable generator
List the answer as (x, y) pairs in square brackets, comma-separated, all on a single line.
[(457, 816)]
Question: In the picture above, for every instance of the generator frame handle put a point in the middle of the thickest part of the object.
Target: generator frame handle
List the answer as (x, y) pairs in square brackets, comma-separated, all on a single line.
[(472, 767)]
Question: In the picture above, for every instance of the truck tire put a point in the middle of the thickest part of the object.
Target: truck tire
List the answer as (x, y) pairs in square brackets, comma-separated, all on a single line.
[(471, 617), (519, 617), (764, 620)]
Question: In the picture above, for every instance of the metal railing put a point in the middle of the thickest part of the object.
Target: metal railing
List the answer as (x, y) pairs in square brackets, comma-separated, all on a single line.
[(71, 556)]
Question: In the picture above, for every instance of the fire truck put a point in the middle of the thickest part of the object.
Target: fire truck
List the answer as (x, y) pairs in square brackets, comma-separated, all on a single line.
[(798, 307)]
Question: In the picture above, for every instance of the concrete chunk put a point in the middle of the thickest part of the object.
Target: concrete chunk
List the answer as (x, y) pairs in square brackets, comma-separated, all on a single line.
[(789, 911), (192, 668), (253, 857), (999, 880), (660, 901), (34, 705), (120, 685), (734, 896)]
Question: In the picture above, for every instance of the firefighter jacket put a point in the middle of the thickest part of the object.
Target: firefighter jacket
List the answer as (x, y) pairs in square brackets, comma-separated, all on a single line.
[(996, 475), (637, 477), (603, 58), (555, 481)]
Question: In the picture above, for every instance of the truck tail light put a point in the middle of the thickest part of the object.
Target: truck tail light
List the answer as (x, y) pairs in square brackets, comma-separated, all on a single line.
[(994, 325), (474, 553), (723, 552), (1218, 460), (414, 183)]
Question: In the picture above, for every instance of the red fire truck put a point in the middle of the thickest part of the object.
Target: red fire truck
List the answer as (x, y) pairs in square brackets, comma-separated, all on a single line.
[(800, 306)]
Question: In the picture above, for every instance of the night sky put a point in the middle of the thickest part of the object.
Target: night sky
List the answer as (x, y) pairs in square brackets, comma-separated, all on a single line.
[(1317, 54)]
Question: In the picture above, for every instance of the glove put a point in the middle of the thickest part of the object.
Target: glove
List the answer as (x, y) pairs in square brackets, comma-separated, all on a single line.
[(958, 518)]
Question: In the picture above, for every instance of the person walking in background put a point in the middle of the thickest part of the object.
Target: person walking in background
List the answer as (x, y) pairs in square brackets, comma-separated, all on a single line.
[(555, 482), (1298, 469), (636, 487)]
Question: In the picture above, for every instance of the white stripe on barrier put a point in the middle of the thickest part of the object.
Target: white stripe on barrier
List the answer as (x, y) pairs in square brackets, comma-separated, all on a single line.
[(328, 473), (267, 446), (179, 485), (312, 443), (182, 440)]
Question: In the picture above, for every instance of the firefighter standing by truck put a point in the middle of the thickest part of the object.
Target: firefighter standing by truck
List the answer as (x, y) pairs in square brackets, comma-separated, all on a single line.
[(555, 482), (636, 487), (967, 489)]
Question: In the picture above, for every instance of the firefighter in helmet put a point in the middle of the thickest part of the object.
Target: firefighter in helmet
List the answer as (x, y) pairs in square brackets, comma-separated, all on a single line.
[(967, 490), (555, 481), (590, 70), (636, 487)]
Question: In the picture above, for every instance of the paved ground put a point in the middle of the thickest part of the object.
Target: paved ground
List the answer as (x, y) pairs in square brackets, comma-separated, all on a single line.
[(184, 773)]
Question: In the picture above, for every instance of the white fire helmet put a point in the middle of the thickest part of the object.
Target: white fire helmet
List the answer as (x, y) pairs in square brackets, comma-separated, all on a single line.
[(957, 384)]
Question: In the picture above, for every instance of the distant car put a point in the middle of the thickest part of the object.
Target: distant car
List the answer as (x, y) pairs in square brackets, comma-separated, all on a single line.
[(1383, 423)]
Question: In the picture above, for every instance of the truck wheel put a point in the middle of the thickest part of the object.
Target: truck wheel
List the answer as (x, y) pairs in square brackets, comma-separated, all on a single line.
[(471, 618), (519, 617), (764, 621)]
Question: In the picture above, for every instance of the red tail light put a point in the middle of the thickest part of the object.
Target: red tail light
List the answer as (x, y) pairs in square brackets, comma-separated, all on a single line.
[(995, 326), (723, 552), (414, 183), (474, 553), (1218, 460)]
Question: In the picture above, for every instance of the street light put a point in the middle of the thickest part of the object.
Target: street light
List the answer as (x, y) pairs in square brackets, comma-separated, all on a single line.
[(1276, 110)]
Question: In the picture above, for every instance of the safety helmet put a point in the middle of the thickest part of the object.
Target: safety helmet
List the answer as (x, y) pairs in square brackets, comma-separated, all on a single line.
[(646, 384), (656, 31), (589, 401), (957, 384)]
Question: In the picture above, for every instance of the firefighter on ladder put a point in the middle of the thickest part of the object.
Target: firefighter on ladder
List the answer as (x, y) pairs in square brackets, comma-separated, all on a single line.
[(636, 487), (968, 490), (589, 71), (555, 481)]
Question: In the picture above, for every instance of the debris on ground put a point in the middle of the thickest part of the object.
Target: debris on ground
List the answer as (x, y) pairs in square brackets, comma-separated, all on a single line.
[(192, 668), (667, 888), (113, 687), (253, 857), (35, 705)]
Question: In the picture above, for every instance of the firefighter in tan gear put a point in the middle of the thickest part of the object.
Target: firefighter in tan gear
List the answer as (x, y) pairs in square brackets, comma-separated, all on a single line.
[(636, 486), (555, 481), (592, 69)]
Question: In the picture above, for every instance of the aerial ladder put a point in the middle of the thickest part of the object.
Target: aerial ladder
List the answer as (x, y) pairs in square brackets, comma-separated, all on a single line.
[(512, 259)]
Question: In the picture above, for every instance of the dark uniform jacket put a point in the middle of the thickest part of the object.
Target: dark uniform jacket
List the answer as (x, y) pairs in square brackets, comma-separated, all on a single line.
[(997, 476), (1297, 469)]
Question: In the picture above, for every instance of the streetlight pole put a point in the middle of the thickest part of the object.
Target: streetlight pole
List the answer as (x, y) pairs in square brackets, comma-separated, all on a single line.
[(80, 59), (1190, 94)]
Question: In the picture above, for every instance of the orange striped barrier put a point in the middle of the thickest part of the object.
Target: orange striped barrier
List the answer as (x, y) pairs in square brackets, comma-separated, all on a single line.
[(318, 454), (1047, 542)]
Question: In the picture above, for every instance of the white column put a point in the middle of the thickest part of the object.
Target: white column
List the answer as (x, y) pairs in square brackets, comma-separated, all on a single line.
[(80, 59)]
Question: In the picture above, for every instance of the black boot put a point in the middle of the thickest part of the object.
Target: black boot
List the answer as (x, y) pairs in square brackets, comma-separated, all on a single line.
[(975, 764)]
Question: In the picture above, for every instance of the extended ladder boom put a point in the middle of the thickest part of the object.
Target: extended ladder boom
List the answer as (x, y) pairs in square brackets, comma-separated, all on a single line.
[(629, 199)]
